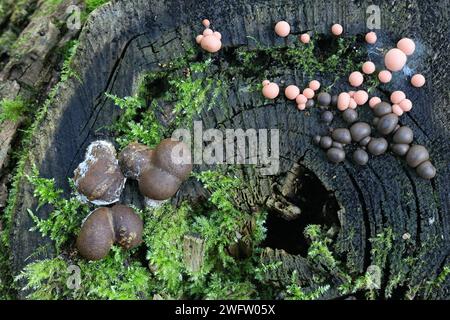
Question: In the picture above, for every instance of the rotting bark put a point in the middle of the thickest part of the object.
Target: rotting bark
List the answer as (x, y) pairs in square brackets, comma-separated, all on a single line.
[(31, 67), (125, 39)]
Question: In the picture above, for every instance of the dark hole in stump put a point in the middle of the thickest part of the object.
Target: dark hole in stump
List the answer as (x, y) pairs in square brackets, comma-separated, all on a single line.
[(318, 205)]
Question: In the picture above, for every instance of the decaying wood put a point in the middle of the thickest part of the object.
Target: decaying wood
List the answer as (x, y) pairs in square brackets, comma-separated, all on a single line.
[(31, 66), (125, 39), (194, 252)]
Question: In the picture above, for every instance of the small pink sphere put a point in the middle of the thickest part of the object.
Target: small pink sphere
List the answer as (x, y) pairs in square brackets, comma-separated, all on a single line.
[(218, 35), (407, 46), (271, 91), (385, 76), (199, 38), (301, 99), (397, 97), (343, 101), (207, 32), (368, 67), (356, 79), (397, 109), (351, 93), (308, 93), (265, 82), (304, 38), (374, 101), (406, 105), (211, 44), (395, 59), (336, 29), (301, 106), (418, 80), (291, 92), (352, 104), (371, 37), (314, 85), (282, 29), (361, 97), (206, 23)]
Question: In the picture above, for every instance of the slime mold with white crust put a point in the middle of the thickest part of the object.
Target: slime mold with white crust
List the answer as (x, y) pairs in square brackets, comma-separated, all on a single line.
[(98, 178)]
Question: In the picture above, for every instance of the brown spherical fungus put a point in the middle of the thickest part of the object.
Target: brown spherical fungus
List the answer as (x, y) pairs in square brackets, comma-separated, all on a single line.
[(416, 155), (324, 99), (404, 135), (426, 170), (171, 167), (360, 130), (310, 103), (387, 124), (327, 116), (360, 157), (400, 149), (326, 142), (336, 155), (350, 115), (364, 142), (98, 178), (342, 135), (160, 172), (135, 159), (316, 139), (334, 100), (106, 226), (377, 146), (382, 109)]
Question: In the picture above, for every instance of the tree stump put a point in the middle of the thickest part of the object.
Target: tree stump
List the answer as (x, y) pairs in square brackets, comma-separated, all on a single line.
[(125, 39)]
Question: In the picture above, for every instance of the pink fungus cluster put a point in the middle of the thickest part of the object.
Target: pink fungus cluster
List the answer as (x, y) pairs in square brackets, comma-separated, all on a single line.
[(209, 40)]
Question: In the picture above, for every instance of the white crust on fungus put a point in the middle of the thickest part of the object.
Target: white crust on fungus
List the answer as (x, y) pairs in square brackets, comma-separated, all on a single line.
[(100, 147), (150, 203), (89, 158)]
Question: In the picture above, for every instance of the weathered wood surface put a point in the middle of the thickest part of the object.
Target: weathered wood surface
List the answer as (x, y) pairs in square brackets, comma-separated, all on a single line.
[(124, 39), (31, 69)]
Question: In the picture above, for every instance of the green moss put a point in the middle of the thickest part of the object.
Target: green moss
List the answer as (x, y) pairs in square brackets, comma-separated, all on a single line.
[(22, 156), (146, 130), (295, 292), (7, 40), (217, 222), (65, 219), (382, 245), (69, 52), (91, 5), (122, 276), (323, 256), (12, 109), (183, 85), (114, 278), (22, 9)]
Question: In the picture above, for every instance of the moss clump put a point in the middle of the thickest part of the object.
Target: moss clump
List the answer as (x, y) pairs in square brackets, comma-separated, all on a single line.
[(91, 5), (322, 255), (119, 276), (12, 109), (146, 130), (116, 277), (67, 214), (217, 222), (123, 276), (183, 84)]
